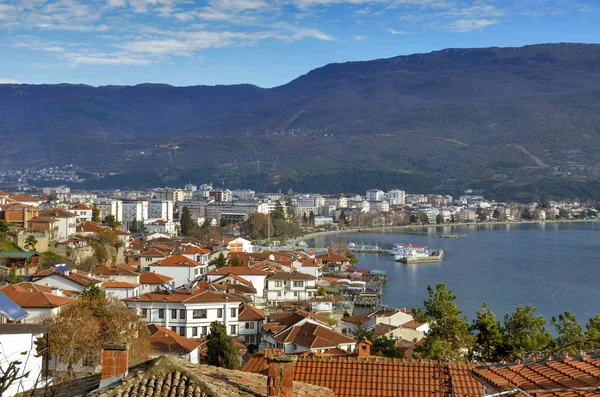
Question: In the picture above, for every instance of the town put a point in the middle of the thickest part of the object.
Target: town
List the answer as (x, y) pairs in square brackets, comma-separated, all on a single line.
[(96, 283)]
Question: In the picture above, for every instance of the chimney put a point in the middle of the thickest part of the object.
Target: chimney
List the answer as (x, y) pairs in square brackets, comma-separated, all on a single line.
[(364, 348), (115, 363), (56, 291), (280, 381)]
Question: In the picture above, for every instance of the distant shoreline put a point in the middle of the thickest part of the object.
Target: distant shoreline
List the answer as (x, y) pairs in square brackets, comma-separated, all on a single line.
[(383, 229)]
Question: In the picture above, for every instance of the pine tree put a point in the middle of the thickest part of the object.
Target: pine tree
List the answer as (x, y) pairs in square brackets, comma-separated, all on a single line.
[(488, 336), (187, 223), (221, 350), (448, 337), (96, 215), (569, 331), (134, 228), (525, 334), (592, 333)]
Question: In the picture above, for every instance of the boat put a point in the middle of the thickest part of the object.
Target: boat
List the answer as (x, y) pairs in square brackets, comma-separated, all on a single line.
[(363, 247), (402, 248), (420, 256)]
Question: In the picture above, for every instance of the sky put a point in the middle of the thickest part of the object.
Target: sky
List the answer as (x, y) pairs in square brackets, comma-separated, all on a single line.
[(262, 42)]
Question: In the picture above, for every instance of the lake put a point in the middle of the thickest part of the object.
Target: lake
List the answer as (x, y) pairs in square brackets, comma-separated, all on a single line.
[(553, 266)]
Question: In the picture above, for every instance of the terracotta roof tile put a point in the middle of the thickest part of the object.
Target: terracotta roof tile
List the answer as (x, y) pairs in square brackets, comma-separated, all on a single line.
[(119, 284), (250, 313), (154, 278), (176, 260), (240, 271), (182, 295), (165, 341), (196, 250), (29, 298), (291, 276)]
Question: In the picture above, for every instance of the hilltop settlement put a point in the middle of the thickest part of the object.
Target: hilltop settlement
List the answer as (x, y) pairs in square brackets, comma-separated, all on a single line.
[(212, 292)]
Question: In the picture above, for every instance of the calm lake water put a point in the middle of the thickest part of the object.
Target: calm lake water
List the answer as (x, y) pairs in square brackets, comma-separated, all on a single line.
[(553, 266)]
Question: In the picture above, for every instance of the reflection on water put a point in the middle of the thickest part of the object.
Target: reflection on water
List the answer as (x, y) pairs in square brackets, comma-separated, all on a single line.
[(553, 266)]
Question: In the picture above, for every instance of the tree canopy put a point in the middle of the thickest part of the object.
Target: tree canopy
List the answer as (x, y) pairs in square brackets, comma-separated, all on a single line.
[(221, 350), (187, 223), (525, 334)]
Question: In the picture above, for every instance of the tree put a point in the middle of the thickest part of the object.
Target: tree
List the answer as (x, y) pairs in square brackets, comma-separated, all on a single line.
[(13, 278), (305, 219), (278, 212), (563, 213), (111, 221), (236, 261), (78, 331), (526, 214), (9, 374), (488, 336), (352, 256), (221, 350), (135, 227), (423, 218), (439, 219), (311, 219), (569, 331), (187, 223), (96, 215), (257, 225), (448, 337), (525, 334), (4, 227), (592, 332), (219, 262), (342, 218), (30, 243), (481, 214), (92, 293), (380, 345), (321, 291), (413, 219)]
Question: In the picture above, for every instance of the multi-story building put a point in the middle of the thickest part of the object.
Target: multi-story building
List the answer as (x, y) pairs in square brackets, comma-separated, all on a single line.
[(108, 206), (134, 209), (189, 312), (221, 195), (180, 268), (375, 195), (83, 211), (379, 206), (234, 211), (396, 197), (160, 209), (243, 194), (290, 287)]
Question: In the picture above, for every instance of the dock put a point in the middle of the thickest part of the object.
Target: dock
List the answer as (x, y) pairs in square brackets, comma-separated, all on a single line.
[(436, 256)]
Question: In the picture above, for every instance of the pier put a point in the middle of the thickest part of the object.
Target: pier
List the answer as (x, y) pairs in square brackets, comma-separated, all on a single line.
[(436, 256)]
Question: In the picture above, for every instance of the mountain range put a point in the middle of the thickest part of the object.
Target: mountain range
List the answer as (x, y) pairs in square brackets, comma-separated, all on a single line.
[(513, 123)]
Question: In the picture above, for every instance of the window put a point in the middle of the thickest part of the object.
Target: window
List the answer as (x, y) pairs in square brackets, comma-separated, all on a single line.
[(219, 313), (173, 313), (280, 293), (204, 330), (199, 313), (161, 313), (249, 339), (182, 331), (194, 331), (174, 329), (295, 293), (298, 284), (250, 325), (145, 313), (182, 314), (234, 312), (278, 283), (232, 329)]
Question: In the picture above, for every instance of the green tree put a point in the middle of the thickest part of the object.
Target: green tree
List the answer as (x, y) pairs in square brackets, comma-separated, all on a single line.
[(187, 223), (342, 220), (236, 261), (448, 337), (380, 345), (563, 213), (489, 339), (481, 214), (4, 227), (92, 293), (592, 333), (135, 227), (30, 243), (525, 334), (439, 219), (321, 291), (219, 262), (96, 215), (569, 331), (278, 212), (305, 218), (311, 218), (423, 218), (413, 219), (111, 221), (526, 214), (13, 278), (221, 350), (352, 256)]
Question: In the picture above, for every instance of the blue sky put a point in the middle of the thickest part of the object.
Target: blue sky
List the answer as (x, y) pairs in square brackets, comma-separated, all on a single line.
[(262, 42)]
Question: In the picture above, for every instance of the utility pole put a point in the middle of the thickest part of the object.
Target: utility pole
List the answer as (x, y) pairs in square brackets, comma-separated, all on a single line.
[(269, 228)]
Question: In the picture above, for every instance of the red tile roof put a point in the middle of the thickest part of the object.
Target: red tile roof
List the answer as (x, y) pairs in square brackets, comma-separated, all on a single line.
[(291, 276), (196, 250), (313, 336), (176, 260), (153, 278), (118, 270), (560, 378), (165, 341), (29, 296), (118, 284), (240, 271), (250, 313), (184, 296), (378, 376)]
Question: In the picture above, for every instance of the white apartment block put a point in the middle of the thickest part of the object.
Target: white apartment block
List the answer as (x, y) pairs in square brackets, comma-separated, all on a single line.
[(134, 209), (160, 209), (375, 195), (108, 206), (396, 197)]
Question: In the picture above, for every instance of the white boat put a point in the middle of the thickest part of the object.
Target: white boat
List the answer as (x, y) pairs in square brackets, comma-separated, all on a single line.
[(402, 248)]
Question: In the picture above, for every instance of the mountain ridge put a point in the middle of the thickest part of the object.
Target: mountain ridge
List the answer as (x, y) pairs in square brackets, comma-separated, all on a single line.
[(414, 116)]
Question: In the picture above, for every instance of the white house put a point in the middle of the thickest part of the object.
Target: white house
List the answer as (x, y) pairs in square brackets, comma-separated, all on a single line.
[(164, 341), (239, 245), (40, 302), (73, 280), (386, 315), (251, 324), (65, 222), (18, 344), (151, 256), (180, 268), (161, 226), (256, 276), (310, 266), (151, 281), (120, 289), (300, 331), (198, 254), (289, 287), (189, 312), (83, 211)]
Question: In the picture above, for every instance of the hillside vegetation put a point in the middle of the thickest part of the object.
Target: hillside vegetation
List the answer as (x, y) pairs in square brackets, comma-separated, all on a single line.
[(513, 122)]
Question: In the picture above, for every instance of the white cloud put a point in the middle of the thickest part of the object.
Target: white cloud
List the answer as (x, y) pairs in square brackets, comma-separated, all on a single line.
[(9, 81), (467, 25), (394, 31), (117, 3), (359, 38)]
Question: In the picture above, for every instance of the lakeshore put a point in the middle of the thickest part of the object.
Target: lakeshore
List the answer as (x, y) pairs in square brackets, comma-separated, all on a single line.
[(426, 228)]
